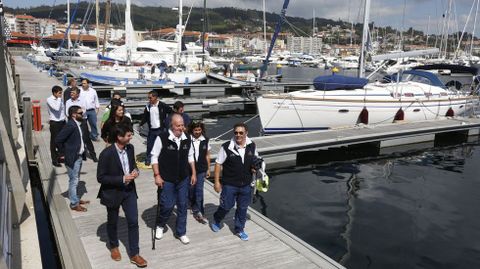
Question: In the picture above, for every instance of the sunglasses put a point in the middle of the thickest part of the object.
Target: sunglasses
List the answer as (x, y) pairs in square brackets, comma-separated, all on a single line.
[(239, 133), (79, 113)]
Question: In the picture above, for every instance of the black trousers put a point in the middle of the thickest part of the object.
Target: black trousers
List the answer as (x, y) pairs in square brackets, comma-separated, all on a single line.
[(86, 139), (55, 127), (129, 205)]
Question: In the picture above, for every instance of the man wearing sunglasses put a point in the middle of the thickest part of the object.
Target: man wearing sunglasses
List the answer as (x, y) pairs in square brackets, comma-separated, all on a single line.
[(71, 146), (235, 162), (75, 100)]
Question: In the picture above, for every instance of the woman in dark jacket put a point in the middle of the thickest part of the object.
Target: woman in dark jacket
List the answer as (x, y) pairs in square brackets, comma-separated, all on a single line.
[(117, 116)]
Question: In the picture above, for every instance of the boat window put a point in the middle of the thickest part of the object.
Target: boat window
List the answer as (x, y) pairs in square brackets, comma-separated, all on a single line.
[(420, 79), (146, 49)]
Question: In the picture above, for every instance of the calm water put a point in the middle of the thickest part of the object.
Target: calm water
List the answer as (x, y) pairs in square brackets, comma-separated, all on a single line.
[(415, 211), (412, 211)]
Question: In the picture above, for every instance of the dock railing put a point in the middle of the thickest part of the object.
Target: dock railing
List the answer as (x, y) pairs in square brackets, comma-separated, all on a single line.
[(14, 175)]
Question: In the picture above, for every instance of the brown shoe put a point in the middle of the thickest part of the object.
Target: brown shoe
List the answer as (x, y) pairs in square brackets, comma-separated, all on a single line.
[(200, 218), (138, 261), (115, 254), (79, 208), (84, 202)]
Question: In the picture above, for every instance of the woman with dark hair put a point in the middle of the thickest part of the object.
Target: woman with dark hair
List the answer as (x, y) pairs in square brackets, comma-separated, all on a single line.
[(201, 149), (117, 116)]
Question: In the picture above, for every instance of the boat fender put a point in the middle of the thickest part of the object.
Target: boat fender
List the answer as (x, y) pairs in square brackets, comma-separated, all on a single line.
[(450, 112), (262, 179), (400, 115), (363, 117), (211, 102)]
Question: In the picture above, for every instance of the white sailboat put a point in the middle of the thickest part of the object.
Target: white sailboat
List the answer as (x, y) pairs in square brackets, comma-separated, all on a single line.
[(149, 53), (338, 101), (418, 95)]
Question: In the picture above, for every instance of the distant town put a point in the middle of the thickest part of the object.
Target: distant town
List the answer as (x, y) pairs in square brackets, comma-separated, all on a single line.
[(327, 38)]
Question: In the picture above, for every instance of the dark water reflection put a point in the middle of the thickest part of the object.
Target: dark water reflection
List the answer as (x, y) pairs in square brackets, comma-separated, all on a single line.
[(418, 211)]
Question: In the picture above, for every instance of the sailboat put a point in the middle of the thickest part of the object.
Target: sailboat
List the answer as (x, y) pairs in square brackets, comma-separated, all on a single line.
[(159, 61), (339, 101)]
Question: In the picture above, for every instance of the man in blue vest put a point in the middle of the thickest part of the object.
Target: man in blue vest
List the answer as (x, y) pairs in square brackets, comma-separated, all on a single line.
[(172, 156), (235, 160)]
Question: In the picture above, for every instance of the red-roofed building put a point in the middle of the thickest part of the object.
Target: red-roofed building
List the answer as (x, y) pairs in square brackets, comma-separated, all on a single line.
[(56, 39), (21, 40), (27, 24)]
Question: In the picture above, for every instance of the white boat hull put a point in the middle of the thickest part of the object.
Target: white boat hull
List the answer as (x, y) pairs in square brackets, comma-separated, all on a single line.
[(132, 75), (285, 114)]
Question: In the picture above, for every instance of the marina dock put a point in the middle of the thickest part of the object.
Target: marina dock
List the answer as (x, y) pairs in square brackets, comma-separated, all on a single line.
[(81, 237), (281, 150)]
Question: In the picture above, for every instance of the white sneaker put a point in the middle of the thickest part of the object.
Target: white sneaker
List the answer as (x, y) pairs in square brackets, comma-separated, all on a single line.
[(184, 239), (159, 232)]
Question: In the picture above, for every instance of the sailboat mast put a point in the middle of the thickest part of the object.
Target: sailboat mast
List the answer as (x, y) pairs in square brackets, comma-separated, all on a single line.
[(455, 54), (265, 48), (313, 33), (474, 30), (97, 15), (204, 26), (278, 27), (128, 32), (179, 30), (107, 22), (361, 69), (69, 41), (428, 30)]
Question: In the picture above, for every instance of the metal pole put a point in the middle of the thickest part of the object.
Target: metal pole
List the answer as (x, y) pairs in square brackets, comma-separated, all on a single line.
[(97, 32), (204, 24), (69, 40), (264, 30), (107, 22), (180, 29), (361, 69)]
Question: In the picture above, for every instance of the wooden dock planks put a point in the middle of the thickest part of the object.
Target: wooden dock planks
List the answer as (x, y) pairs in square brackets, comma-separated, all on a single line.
[(84, 234)]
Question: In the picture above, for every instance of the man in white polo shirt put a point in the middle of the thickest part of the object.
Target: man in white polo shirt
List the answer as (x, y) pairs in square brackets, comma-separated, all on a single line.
[(89, 95), (56, 120)]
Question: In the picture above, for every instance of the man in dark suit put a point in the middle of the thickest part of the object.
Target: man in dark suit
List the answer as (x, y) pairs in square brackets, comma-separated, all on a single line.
[(72, 149), (116, 172), (154, 115)]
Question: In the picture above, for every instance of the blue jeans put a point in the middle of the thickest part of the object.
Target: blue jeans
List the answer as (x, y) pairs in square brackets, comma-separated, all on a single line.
[(73, 177), (92, 121), (129, 206), (174, 193), (231, 194), (152, 135), (195, 194)]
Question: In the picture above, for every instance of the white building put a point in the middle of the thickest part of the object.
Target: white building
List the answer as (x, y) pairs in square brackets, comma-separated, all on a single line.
[(10, 18), (112, 33), (48, 27), (257, 44), (307, 45), (239, 44)]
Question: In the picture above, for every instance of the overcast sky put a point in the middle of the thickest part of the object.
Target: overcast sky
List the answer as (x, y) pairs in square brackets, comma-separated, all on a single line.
[(418, 13)]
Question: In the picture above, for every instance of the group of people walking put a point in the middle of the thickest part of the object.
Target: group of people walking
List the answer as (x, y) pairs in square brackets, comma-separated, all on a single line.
[(178, 151)]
